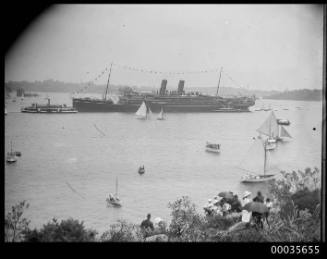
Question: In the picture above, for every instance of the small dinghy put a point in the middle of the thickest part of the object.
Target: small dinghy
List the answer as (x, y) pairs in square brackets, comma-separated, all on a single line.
[(212, 147), (284, 122), (141, 170)]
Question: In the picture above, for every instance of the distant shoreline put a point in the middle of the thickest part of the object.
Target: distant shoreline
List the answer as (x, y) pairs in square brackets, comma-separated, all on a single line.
[(290, 99)]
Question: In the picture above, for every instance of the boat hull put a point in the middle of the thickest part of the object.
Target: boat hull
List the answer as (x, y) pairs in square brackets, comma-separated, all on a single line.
[(113, 203), (258, 178), (213, 150), (49, 111), (11, 160), (177, 106)]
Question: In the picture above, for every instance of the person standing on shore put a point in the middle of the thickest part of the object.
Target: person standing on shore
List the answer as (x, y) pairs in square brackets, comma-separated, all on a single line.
[(259, 198), (147, 226)]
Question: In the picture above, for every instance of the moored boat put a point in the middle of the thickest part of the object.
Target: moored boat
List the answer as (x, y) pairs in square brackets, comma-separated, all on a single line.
[(141, 170), (114, 200), (259, 177), (212, 147), (284, 122), (11, 156)]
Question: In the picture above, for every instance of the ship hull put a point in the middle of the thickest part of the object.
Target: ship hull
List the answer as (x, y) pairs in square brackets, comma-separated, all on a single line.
[(90, 106)]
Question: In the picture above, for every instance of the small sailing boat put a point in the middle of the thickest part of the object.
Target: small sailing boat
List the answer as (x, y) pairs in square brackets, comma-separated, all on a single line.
[(283, 133), (142, 112), (114, 199), (6, 111), (141, 170), (161, 115), (212, 147), (258, 178), (270, 128), (11, 156)]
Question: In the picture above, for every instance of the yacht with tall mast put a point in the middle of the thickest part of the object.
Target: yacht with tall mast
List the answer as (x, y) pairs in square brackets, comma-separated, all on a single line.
[(259, 174), (114, 199)]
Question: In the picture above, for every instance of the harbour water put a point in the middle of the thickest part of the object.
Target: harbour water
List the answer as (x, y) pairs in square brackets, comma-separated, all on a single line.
[(69, 162)]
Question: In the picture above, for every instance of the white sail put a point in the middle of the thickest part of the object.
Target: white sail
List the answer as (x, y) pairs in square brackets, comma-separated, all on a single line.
[(141, 112), (269, 127), (256, 161), (161, 115), (284, 132)]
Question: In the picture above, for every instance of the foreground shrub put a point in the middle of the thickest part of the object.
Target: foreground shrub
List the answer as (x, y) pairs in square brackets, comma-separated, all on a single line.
[(69, 230), (221, 222), (186, 224), (297, 196), (306, 199), (122, 232)]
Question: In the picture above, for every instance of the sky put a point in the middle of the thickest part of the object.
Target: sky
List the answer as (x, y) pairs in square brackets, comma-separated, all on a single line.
[(264, 47)]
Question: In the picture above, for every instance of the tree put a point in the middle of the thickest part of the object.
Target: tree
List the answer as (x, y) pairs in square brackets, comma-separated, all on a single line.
[(186, 224), (15, 223)]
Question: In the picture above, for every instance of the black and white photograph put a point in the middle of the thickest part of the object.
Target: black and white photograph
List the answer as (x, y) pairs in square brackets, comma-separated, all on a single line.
[(166, 123)]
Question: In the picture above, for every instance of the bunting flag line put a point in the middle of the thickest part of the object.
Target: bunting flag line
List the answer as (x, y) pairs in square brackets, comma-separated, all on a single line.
[(168, 72)]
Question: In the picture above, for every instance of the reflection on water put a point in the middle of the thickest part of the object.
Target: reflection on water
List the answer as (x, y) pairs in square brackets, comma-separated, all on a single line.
[(68, 168)]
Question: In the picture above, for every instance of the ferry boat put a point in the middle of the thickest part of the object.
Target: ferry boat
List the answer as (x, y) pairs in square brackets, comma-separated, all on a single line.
[(37, 108)]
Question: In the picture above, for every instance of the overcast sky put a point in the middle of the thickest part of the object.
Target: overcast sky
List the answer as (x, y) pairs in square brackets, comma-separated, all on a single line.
[(267, 47)]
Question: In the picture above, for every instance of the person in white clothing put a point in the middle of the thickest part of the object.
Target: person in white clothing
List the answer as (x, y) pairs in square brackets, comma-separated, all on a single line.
[(246, 215)]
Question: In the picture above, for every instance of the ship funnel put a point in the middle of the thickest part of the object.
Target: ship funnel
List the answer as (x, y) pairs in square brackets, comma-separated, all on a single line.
[(180, 89), (163, 87)]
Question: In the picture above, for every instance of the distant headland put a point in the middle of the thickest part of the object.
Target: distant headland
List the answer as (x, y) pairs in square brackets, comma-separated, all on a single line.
[(302, 94), (67, 87)]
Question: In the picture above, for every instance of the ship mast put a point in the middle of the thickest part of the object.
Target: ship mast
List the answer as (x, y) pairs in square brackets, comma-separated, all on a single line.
[(116, 187), (105, 96), (221, 69), (265, 161)]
